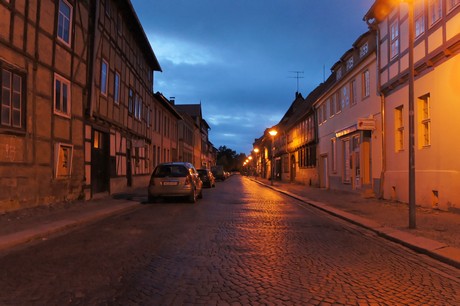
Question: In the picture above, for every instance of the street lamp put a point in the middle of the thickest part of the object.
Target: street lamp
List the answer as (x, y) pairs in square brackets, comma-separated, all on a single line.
[(256, 150), (273, 133)]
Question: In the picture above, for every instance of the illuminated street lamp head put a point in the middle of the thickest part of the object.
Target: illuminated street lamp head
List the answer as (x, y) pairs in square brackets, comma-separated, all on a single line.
[(250, 157), (256, 150), (273, 132)]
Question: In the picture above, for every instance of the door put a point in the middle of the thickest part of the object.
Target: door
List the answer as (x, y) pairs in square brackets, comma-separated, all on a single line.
[(346, 161), (356, 164), (100, 158), (293, 169)]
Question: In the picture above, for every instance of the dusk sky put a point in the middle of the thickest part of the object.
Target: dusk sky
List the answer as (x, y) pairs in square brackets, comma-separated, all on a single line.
[(237, 57)]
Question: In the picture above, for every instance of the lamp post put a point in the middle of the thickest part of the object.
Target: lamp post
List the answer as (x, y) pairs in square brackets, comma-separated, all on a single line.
[(273, 133), (412, 223), (256, 150)]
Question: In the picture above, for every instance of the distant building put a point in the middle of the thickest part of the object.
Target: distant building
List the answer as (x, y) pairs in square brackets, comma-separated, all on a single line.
[(120, 122), (436, 98)]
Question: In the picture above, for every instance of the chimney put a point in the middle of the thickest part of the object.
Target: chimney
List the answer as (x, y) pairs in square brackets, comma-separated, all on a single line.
[(172, 100)]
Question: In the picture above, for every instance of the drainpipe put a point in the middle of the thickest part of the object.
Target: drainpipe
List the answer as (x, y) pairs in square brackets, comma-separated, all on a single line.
[(374, 26)]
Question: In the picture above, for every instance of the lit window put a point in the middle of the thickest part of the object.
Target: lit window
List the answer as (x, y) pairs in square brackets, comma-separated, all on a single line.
[(424, 121), (366, 84), (434, 11), (419, 17), (394, 47), (399, 129), (116, 89), (61, 95), (12, 100), (64, 21), (104, 77)]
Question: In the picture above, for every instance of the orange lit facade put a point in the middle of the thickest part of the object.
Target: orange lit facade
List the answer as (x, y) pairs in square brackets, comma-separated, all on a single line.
[(436, 98)]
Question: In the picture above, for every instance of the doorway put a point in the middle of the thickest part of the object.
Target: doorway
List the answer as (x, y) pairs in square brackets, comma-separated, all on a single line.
[(100, 159)]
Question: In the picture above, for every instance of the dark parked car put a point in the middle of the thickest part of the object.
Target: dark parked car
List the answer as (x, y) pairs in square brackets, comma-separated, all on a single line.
[(207, 177), (175, 180)]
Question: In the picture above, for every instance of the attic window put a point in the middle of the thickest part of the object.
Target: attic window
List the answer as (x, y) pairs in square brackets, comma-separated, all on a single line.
[(350, 63), (339, 73), (363, 50)]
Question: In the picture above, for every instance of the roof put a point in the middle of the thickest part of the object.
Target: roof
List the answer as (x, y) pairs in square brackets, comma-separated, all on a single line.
[(167, 104), (193, 110), (133, 23)]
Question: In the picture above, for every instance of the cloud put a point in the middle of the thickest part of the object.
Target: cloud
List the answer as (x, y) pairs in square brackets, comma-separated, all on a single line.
[(181, 52)]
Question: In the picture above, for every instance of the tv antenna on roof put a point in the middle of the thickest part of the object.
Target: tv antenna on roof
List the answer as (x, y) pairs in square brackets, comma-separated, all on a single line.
[(299, 75)]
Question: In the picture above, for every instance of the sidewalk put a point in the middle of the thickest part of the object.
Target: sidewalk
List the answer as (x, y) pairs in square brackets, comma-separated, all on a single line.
[(437, 233), (26, 225)]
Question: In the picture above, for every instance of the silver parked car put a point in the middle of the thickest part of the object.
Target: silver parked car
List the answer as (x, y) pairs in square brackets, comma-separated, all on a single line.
[(175, 179)]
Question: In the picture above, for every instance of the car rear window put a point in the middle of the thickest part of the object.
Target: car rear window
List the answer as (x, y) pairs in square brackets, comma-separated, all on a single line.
[(202, 172), (170, 171)]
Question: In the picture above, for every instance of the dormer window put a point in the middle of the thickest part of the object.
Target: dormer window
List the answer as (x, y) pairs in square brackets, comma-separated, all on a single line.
[(350, 63), (339, 73), (363, 50)]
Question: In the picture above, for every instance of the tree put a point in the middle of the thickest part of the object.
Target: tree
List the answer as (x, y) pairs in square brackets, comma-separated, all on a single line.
[(229, 159)]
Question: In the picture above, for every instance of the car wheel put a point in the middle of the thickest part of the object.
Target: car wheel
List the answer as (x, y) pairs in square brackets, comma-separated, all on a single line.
[(152, 199), (200, 195), (192, 197)]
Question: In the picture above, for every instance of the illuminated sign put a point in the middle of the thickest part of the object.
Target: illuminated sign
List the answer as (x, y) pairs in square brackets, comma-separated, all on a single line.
[(366, 124)]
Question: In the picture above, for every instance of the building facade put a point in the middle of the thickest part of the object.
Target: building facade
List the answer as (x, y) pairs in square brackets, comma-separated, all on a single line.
[(436, 61), (349, 122), (43, 67)]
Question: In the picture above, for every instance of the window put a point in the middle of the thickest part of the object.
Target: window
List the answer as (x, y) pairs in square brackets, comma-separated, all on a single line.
[(434, 11), (339, 73), (424, 121), (363, 50), (419, 17), (366, 84), (119, 24), (64, 22), (451, 4), (12, 100), (104, 76), (399, 129), (61, 95), (130, 101), (331, 106), (63, 160), (350, 63), (338, 105), (345, 99), (394, 46), (353, 97), (116, 88)]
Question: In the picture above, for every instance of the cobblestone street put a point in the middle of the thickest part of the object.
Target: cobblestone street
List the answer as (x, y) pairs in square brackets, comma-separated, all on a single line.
[(242, 244)]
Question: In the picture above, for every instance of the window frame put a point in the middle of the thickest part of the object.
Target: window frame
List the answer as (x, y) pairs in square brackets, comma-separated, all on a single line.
[(104, 78), (70, 23), (116, 88), (59, 110), (424, 121), (366, 83), (419, 19), (394, 39), (21, 124), (434, 11)]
